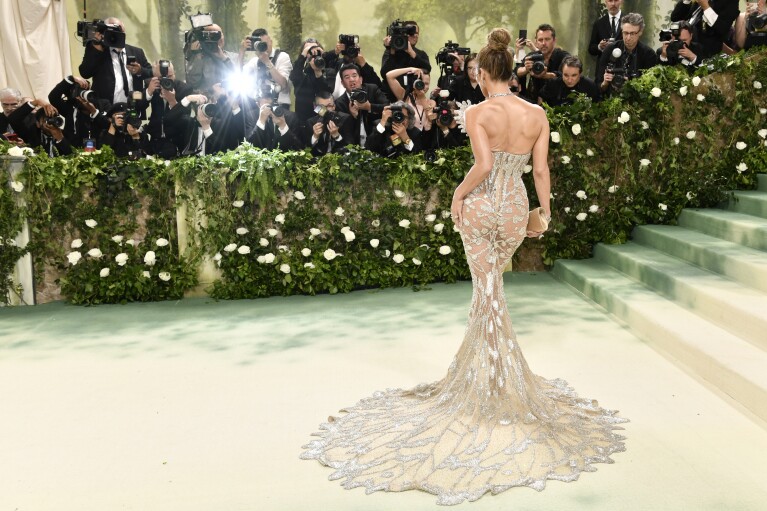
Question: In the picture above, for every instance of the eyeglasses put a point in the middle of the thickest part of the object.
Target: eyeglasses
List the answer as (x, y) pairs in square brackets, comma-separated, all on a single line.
[(632, 34)]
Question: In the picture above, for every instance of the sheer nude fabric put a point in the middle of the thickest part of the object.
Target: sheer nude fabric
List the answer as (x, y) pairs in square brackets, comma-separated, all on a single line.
[(490, 424)]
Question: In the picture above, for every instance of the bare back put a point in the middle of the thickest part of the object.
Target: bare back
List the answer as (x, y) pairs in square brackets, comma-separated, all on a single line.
[(512, 125)]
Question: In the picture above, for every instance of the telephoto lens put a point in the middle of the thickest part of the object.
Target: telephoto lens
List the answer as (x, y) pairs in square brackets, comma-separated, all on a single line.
[(209, 109)]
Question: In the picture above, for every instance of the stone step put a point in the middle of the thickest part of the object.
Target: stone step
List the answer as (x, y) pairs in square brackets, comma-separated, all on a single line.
[(724, 360), (738, 228), (746, 265), (752, 202), (761, 182), (737, 309)]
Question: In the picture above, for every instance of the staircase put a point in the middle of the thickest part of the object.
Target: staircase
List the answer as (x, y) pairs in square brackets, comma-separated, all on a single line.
[(696, 292)]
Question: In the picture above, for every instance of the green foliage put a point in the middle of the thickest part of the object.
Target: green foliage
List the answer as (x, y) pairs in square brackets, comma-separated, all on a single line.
[(11, 220)]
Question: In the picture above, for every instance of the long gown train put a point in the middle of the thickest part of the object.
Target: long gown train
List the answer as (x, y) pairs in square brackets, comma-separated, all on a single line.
[(490, 424)]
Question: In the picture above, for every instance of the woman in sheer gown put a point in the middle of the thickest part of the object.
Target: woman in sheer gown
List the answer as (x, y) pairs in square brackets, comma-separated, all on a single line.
[(490, 424)]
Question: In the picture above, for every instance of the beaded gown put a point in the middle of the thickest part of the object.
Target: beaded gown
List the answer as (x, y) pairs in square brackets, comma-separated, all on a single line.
[(490, 424)]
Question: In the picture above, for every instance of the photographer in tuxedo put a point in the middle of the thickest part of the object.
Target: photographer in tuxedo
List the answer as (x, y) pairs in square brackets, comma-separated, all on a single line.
[(84, 113), (681, 49), (365, 102), (626, 59), (277, 127), (328, 131), (308, 77), (710, 19), (606, 30), (115, 71), (395, 134), (561, 90), (168, 132)]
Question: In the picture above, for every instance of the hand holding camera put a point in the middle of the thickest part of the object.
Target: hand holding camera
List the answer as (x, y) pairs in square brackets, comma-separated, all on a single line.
[(133, 66)]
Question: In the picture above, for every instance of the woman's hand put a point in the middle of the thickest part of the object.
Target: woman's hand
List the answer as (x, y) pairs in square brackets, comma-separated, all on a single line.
[(456, 210)]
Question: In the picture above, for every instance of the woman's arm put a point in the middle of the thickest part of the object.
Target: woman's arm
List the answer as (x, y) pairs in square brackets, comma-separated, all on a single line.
[(541, 165), (394, 85), (483, 163)]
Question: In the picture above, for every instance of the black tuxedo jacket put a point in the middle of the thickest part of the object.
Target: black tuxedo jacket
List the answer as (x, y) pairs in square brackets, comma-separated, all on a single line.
[(642, 58), (710, 38), (81, 126), (271, 138), (380, 142), (556, 93), (345, 129), (98, 66), (167, 137), (378, 100), (602, 30)]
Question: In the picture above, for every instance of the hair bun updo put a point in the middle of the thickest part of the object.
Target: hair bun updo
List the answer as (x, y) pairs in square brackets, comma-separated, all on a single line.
[(498, 39)]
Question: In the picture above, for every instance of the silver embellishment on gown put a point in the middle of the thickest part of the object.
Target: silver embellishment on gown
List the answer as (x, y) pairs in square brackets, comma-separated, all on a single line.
[(490, 424)]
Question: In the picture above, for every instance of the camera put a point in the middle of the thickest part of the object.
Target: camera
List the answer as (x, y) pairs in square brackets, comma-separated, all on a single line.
[(113, 36), (326, 115), (672, 51), (315, 54), (209, 109), (270, 90), (443, 55), (208, 40), (165, 82), (756, 22), (76, 91), (351, 44), (396, 114), (55, 121), (672, 32), (444, 113), (256, 44), (358, 96), (538, 60), (399, 33)]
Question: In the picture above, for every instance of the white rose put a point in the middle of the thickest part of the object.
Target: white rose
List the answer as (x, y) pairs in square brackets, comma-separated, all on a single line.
[(376, 223), (690, 196), (431, 218), (350, 236), (150, 258), (309, 265), (701, 97), (282, 248), (644, 162), (146, 274), (576, 129), (580, 194), (656, 92), (306, 252), (399, 194), (263, 242), (645, 125), (740, 146), (161, 242), (164, 276), (15, 151), (217, 257), (261, 259), (94, 252), (17, 186), (404, 223), (581, 217), (567, 209), (763, 111), (398, 258), (742, 167), (104, 272), (339, 211), (662, 206), (445, 250), (329, 254), (624, 117), (438, 228), (229, 248), (593, 208), (272, 232), (695, 81), (243, 250), (131, 242), (589, 152), (762, 132), (91, 223), (280, 219), (416, 262), (565, 159), (757, 84), (242, 230), (387, 253), (299, 195), (676, 140), (555, 137), (345, 228), (528, 168), (74, 257), (374, 243), (446, 214), (285, 268), (691, 134), (314, 231), (683, 90), (612, 189), (76, 243), (238, 203), (117, 239), (121, 259), (269, 258)]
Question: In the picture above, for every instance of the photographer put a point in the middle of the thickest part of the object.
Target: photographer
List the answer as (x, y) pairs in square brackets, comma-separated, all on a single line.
[(11, 100), (626, 59), (680, 49), (395, 134), (328, 131), (466, 87), (415, 93), (750, 21), (400, 50), (116, 69), (348, 51), (51, 135), (207, 63), (444, 130), (710, 19), (606, 30), (277, 127), (309, 78), (363, 101), (543, 64), (24, 123), (166, 129), (84, 113), (560, 91), (270, 65), (226, 119), (123, 135), (451, 60)]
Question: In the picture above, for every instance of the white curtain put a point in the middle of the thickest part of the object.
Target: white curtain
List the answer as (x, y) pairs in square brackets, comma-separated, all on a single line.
[(34, 45)]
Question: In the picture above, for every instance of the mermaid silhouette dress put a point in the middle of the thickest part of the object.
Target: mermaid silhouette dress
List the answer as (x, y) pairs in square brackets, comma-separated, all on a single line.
[(490, 424)]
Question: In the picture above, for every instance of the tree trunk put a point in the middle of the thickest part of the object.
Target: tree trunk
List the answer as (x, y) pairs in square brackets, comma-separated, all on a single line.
[(171, 35), (591, 10), (291, 25)]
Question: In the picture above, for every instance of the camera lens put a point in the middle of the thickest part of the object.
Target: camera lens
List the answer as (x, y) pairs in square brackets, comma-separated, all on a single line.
[(166, 83), (209, 109), (278, 111), (398, 116), (419, 84), (319, 62), (539, 67)]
